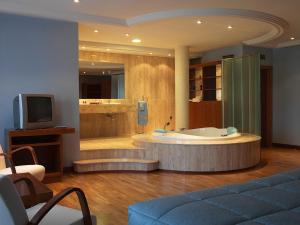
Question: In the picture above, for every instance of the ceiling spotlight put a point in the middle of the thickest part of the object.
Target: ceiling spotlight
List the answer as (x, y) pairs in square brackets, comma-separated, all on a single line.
[(83, 47), (76, 1), (169, 55), (150, 53), (108, 49), (136, 40), (84, 72), (292, 38), (103, 72), (229, 27), (199, 22), (96, 31), (127, 35)]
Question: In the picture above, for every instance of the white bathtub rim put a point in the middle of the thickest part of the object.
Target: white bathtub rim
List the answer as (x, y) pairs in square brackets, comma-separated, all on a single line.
[(244, 138)]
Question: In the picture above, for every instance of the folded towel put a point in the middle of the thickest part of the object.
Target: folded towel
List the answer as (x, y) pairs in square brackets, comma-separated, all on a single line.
[(142, 112)]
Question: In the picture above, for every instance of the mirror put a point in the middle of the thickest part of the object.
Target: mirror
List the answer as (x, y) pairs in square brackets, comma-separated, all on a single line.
[(101, 80)]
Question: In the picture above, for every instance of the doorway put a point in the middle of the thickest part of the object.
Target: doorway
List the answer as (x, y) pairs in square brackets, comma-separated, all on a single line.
[(266, 105)]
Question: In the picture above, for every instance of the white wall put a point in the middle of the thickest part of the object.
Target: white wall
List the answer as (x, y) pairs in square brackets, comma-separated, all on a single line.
[(40, 56), (286, 96)]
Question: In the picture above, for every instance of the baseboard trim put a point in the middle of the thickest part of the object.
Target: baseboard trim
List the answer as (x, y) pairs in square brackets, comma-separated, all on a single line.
[(286, 146)]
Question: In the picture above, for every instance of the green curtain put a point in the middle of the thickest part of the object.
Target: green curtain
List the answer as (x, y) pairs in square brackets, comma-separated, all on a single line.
[(241, 93)]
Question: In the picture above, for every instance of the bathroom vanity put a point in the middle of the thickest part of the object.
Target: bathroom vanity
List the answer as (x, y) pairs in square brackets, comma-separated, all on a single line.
[(107, 118), (106, 108)]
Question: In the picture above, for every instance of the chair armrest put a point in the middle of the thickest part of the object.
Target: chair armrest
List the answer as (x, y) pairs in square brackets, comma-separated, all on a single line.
[(56, 199), (28, 148), (30, 186), (12, 166)]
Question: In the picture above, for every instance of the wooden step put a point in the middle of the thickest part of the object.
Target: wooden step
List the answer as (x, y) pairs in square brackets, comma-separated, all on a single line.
[(130, 153), (115, 164)]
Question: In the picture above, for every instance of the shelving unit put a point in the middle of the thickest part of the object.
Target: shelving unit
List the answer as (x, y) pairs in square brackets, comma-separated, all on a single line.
[(48, 146), (206, 81)]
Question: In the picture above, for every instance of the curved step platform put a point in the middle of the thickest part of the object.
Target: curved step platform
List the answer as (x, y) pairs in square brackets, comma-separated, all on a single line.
[(115, 164)]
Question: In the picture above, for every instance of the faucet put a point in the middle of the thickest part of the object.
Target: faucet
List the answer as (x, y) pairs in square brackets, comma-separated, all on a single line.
[(168, 123)]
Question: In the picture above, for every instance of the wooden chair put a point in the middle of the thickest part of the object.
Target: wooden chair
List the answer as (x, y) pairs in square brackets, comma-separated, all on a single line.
[(36, 170), (12, 211)]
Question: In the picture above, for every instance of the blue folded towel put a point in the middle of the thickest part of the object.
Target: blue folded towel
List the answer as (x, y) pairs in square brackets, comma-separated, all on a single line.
[(142, 113), (160, 131), (231, 130)]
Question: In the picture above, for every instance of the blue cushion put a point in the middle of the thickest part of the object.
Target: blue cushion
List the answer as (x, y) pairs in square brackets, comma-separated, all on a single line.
[(273, 200), (59, 215), (281, 218)]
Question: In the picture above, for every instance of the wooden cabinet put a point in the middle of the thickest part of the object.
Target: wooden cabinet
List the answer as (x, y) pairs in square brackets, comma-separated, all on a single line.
[(48, 146), (205, 114)]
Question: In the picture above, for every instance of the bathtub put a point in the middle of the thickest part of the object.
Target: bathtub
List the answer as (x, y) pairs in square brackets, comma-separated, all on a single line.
[(208, 133)]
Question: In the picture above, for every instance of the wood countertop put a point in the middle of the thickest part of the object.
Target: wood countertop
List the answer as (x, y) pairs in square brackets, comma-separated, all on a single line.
[(106, 108)]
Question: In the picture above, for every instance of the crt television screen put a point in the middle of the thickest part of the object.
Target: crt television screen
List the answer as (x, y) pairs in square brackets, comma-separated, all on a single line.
[(39, 109)]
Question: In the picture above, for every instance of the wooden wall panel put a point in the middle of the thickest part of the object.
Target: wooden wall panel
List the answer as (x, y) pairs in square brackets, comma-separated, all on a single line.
[(148, 77)]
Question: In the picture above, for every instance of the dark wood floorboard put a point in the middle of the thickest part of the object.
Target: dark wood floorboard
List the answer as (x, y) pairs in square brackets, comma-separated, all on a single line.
[(109, 194)]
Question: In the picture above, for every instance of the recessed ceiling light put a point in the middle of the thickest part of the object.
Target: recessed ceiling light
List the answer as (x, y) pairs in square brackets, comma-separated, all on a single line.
[(169, 55), (96, 31), (76, 1), (83, 47), (229, 27), (107, 49), (127, 35), (136, 40), (103, 72), (84, 72), (292, 38), (199, 22), (150, 53)]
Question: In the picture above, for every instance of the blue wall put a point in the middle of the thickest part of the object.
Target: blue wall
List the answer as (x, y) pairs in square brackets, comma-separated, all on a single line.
[(40, 56), (267, 52), (217, 54), (238, 51), (286, 96)]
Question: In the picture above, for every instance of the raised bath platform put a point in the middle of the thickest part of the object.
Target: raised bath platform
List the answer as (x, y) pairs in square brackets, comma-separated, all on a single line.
[(205, 155)]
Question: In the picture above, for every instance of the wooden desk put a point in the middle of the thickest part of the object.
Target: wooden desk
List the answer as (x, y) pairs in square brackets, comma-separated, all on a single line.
[(48, 146), (43, 193)]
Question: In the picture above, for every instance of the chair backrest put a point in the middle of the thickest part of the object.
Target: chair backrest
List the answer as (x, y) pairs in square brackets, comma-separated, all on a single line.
[(2, 160), (12, 211)]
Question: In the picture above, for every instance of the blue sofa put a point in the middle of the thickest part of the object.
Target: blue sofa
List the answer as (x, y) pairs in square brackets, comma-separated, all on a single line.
[(273, 200)]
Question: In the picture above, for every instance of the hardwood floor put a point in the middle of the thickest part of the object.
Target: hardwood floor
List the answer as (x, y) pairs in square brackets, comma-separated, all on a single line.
[(109, 194)]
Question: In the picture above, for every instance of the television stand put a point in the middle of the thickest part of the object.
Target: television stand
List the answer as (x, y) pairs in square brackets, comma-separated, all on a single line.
[(48, 146)]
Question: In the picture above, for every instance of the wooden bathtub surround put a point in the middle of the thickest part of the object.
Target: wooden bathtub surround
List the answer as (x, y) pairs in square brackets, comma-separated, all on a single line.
[(201, 155), (150, 77)]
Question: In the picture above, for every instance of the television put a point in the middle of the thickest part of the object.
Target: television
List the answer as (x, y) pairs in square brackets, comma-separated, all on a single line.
[(34, 111)]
